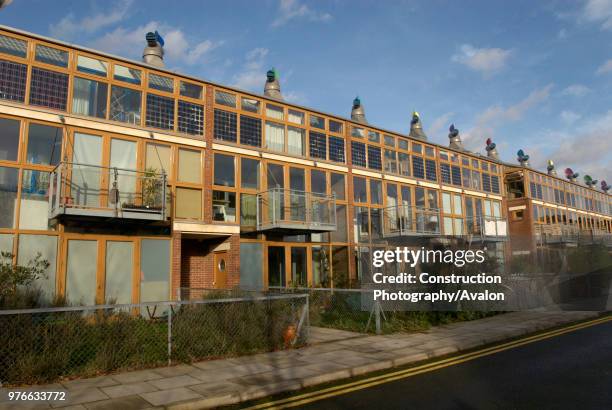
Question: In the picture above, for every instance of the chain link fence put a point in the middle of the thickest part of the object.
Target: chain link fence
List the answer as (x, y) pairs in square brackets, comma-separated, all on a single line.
[(43, 345), (355, 310)]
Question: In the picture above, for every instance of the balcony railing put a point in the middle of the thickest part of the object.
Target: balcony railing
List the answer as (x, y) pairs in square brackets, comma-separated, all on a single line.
[(487, 228), (407, 220), (83, 190), (280, 209)]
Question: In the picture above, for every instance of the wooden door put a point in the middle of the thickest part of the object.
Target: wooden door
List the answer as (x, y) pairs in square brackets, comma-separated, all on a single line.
[(220, 259)]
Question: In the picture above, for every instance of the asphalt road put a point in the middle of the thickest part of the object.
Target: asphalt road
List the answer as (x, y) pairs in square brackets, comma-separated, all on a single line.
[(571, 371)]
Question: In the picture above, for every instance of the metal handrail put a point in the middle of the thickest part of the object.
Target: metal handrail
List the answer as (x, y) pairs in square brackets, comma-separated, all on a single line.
[(277, 206), (477, 225), (411, 220), (64, 184)]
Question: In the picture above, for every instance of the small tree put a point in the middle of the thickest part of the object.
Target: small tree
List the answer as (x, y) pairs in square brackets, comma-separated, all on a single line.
[(14, 276)]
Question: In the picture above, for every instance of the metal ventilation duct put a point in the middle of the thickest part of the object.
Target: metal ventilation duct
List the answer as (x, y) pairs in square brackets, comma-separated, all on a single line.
[(491, 149), (272, 86), (550, 167), (153, 53), (358, 113), (416, 130), (455, 139)]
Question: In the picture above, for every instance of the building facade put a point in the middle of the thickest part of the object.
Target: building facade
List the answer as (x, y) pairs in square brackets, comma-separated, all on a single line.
[(134, 181)]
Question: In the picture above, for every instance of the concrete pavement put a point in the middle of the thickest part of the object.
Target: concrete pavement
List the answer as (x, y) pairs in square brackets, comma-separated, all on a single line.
[(335, 355)]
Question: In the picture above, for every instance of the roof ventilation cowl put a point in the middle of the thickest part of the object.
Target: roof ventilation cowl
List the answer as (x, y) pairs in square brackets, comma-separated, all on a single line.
[(272, 86), (491, 149), (416, 129), (153, 53), (550, 167), (522, 158), (358, 113), (571, 175), (455, 139)]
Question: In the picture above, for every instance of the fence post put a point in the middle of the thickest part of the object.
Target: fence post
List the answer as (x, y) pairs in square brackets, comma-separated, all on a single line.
[(170, 335), (377, 318), (307, 318)]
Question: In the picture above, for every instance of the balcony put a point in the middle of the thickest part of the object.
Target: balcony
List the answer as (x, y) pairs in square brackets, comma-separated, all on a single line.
[(91, 191), (280, 209), (487, 228), (558, 234), (407, 220)]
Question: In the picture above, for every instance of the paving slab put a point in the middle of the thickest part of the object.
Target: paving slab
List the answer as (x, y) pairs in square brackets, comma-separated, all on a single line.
[(129, 389), (124, 403), (173, 382), (165, 397)]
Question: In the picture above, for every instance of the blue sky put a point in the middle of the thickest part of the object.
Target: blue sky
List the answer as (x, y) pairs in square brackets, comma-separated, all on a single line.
[(531, 75)]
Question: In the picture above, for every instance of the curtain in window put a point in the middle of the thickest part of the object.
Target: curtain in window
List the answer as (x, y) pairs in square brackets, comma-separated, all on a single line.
[(81, 101), (295, 141), (275, 137), (123, 157), (85, 187)]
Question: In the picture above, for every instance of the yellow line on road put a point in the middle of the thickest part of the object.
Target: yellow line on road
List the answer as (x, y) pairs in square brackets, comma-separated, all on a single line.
[(413, 371)]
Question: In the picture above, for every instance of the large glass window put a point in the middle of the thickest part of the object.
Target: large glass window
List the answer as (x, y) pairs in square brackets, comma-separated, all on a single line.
[(274, 111), (191, 90), (9, 139), (224, 206), (190, 118), (127, 74), (403, 164), (32, 245), (89, 97), (250, 131), (275, 136), (317, 122), (430, 170), (295, 141), (13, 46), (360, 190), (375, 192), (336, 149), (161, 83), (296, 117), (224, 170), (155, 267), (87, 152), (118, 275), (456, 175), (49, 89), (123, 158), (160, 112), (338, 185), (226, 99), (92, 66), (340, 234), (358, 153), (418, 168), (225, 126), (44, 144), (51, 56), (250, 105), (249, 173), (374, 158), (318, 145), (34, 209), (445, 173), (335, 126), (390, 161), (158, 158), (318, 181), (125, 105), (188, 203), (190, 166), (13, 81), (81, 269), (8, 195)]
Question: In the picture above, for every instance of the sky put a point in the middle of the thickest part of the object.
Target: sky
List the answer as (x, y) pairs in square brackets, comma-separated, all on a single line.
[(535, 75)]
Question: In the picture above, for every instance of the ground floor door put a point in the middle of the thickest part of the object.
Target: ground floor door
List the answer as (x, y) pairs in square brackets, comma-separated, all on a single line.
[(220, 261)]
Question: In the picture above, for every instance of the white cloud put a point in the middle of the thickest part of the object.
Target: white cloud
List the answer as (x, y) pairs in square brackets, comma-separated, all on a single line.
[(485, 60), (178, 49), (439, 124), (487, 121), (605, 67), (569, 117), (70, 28), (576, 90), (598, 11), (252, 76), (293, 9), (588, 150)]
